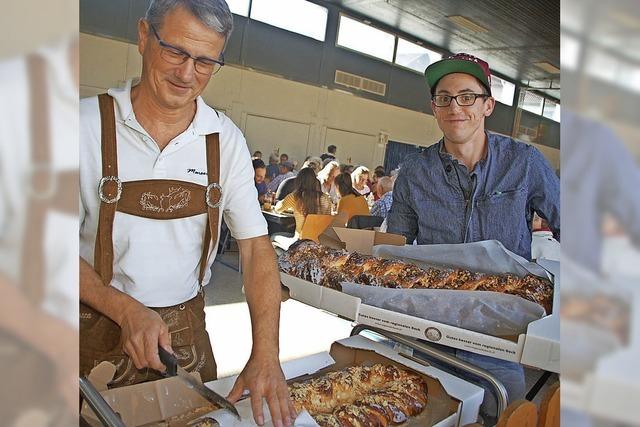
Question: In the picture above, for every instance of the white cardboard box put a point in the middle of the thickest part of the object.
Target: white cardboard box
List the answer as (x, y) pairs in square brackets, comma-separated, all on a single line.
[(539, 347)]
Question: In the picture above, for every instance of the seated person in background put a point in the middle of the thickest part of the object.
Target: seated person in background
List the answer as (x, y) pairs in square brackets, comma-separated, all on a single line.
[(327, 178), (307, 198), (288, 185), (351, 202), (284, 158), (286, 171), (543, 245), (373, 182), (260, 171), (257, 155), (272, 170), (359, 179), (384, 191)]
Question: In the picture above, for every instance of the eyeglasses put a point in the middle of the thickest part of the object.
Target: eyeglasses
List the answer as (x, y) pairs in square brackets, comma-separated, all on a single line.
[(176, 56), (463, 100)]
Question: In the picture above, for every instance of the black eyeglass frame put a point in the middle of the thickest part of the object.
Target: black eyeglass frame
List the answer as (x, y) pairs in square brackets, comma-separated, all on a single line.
[(452, 97), (203, 60)]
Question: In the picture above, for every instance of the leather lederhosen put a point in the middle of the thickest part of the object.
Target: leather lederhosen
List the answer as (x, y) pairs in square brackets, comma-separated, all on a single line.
[(163, 199)]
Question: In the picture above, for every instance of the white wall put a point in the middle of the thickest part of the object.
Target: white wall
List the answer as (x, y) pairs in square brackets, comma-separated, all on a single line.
[(279, 114)]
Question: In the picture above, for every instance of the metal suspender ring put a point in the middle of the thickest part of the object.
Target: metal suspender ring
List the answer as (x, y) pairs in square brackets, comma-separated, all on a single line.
[(217, 195), (105, 198)]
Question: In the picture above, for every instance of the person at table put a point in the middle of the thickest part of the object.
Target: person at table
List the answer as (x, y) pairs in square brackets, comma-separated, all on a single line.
[(327, 178), (272, 169), (259, 174), (359, 178), (351, 202), (286, 171), (307, 198), (287, 186)]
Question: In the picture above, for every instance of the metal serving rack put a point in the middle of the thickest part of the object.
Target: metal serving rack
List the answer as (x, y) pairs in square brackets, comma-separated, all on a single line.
[(497, 387), (101, 408)]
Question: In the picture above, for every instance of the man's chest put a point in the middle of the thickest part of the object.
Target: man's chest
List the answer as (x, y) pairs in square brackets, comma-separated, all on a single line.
[(139, 160)]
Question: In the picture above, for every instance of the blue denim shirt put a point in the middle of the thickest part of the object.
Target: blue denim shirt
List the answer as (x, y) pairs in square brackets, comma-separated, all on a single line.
[(437, 200)]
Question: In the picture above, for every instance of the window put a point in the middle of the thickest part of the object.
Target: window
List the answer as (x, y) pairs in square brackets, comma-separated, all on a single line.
[(414, 56), (569, 52), (502, 90), (355, 35), (551, 110), (629, 76), (532, 103), (239, 7), (298, 16), (602, 65)]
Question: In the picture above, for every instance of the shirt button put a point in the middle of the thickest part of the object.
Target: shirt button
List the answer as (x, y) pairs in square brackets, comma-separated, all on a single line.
[(448, 168)]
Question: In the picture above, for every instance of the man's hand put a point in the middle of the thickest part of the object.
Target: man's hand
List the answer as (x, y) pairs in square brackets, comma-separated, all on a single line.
[(263, 378), (142, 331)]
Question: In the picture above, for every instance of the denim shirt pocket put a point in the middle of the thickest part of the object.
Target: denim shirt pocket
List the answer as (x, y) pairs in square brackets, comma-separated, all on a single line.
[(501, 216)]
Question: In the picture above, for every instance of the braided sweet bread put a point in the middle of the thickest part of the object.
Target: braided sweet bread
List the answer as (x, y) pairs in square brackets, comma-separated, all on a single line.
[(361, 396), (328, 267)]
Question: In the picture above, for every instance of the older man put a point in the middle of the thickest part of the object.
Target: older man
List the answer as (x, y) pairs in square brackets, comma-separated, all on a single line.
[(384, 191), (286, 171), (146, 206), (473, 185)]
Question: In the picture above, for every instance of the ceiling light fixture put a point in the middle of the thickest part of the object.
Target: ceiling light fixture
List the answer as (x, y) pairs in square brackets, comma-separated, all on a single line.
[(548, 67), (467, 23)]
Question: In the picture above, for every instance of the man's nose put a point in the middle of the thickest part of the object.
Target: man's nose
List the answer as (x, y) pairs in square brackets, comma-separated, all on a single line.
[(186, 70)]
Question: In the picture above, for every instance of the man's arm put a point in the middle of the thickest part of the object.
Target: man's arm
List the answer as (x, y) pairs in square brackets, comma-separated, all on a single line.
[(262, 375), (142, 328), (545, 191), (402, 218)]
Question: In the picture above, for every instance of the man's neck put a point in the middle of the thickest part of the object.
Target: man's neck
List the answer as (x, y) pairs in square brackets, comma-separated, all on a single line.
[(469, 153), (161, 123)]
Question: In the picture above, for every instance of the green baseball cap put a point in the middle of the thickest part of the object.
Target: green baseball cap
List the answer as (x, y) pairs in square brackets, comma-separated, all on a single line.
[(459, 63)]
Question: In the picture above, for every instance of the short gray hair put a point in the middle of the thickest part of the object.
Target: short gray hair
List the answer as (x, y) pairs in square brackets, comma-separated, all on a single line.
[(215, 14)]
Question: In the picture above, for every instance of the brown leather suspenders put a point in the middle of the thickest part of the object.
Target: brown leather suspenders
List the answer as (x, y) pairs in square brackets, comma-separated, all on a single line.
[(153, 198), (46, 190)]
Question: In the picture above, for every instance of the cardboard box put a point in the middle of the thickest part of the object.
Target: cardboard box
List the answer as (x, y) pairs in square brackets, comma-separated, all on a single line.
[(538, 347), (146, 403), (454, 402)]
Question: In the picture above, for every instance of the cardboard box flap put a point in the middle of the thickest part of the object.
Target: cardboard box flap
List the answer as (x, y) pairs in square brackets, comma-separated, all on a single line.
[(101, 375), (362, 241)]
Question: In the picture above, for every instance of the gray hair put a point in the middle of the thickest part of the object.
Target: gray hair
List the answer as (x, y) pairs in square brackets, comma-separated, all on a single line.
[(386, 183), (215, 14)]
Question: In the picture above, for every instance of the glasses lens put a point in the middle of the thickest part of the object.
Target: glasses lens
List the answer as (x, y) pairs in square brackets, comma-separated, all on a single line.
[(467, 99), (442, 100), (173, 56)]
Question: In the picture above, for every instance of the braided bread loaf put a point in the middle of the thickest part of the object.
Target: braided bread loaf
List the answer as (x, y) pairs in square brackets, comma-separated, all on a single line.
[(328, 267), (361, 396)]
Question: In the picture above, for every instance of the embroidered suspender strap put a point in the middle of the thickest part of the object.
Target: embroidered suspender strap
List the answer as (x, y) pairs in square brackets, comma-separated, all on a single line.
[(110, 190), (213, 198)]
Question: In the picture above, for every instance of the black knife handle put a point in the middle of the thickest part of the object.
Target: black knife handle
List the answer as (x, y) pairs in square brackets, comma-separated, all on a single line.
[(170, 361)]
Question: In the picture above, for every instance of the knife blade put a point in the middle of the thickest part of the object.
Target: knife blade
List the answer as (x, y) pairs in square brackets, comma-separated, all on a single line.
[(173, 369)]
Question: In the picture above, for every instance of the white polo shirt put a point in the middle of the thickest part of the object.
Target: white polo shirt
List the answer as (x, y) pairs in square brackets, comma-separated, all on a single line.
[(157, 261)]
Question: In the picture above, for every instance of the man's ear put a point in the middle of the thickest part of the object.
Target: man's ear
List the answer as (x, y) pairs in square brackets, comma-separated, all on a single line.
[(489, 105), (143, 35)]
